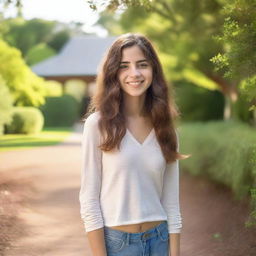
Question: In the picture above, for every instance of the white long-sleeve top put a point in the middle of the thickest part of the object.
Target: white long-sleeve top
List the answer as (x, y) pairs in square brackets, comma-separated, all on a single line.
[(127, 186)]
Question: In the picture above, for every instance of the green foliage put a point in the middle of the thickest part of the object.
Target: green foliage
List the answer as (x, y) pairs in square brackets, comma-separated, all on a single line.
[(3, 27), (238, 61), (108, 20), (198, 78), (28, 34), (221, 62), (53, 88), (240, 109), (239, 34), (26, 88), (225, 152), (5, 105), (25, 120), (182, 32), (58, 40), (75, 88), (252, 218), (39, 53), (60, 111), (248, 89), (24, 35), (113, 5), (198, 104)]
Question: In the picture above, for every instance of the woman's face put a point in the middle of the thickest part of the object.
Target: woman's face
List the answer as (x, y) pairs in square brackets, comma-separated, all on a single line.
[(135, 72)]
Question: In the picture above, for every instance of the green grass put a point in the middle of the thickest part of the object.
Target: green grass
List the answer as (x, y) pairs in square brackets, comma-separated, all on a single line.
[(49, 136)]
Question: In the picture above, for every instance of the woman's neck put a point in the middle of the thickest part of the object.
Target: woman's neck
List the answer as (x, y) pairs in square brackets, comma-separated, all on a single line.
[(133, 106)]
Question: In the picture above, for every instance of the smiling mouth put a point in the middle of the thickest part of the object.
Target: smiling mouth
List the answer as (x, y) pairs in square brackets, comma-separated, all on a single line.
[(135, 83)]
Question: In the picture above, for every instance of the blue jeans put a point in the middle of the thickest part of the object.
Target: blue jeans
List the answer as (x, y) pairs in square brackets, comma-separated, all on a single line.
[(153, 242)]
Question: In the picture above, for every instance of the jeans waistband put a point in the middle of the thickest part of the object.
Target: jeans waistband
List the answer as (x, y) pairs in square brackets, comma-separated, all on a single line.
[(136, 236)]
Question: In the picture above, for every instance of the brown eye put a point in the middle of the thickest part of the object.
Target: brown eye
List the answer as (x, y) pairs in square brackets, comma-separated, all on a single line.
[(143, 65), (123, 66)]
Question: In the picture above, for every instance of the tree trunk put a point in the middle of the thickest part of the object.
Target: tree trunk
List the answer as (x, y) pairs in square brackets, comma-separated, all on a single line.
[(227, 108), (230, 93)]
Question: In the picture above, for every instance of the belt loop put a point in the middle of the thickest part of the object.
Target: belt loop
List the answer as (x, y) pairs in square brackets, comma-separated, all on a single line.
[(127, 239), (158, 231)]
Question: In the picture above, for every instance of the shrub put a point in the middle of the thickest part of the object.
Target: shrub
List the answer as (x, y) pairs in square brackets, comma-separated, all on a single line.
[(26, 88), (25, 120), (5, 105), (75, 88), (59, 39), (60, 111), (223, 151), (53, 88), (199, 104)]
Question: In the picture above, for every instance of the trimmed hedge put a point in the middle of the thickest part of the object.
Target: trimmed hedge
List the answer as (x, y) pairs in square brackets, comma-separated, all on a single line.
[(25, 120), (199, 104), (225, 152), (60, 111)]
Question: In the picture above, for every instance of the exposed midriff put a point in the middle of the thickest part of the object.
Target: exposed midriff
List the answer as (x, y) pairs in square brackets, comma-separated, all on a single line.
[(137, 228)]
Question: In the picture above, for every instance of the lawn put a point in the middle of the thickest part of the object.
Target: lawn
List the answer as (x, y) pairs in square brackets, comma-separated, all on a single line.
[(49, 136)]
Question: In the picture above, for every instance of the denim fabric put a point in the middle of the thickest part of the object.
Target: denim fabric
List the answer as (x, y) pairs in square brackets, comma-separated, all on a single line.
[(153, 242)]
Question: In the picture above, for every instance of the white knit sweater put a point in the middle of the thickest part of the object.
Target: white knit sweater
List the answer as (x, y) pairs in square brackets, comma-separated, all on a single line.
[(132, 185)]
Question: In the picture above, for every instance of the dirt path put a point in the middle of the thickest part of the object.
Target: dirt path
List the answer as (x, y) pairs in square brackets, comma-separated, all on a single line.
[(214, 221), (52, 215), (52, 219)]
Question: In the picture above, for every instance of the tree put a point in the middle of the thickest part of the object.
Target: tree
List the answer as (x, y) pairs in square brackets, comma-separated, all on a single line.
[(59, 39), (26, 88), (27, 34), (183, 31), (239, 34), (5, 105), (39, 53)]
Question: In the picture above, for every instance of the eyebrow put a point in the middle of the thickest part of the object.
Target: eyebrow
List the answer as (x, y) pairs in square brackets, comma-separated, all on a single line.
[(127, 62)]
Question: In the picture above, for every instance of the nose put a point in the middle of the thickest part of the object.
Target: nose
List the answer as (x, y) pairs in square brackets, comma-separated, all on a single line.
[(134, 72)]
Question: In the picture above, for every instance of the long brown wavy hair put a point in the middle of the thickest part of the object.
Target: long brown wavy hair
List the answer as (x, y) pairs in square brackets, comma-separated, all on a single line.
[(158, 107)]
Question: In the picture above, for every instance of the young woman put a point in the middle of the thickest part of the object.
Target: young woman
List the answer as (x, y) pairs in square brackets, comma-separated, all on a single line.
[(129, 192)]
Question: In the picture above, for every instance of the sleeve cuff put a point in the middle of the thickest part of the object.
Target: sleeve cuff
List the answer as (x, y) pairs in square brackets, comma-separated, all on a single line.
[(175, 231), (88, 229)]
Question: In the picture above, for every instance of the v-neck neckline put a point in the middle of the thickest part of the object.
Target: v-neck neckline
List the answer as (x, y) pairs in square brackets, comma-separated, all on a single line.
[(145, 140)]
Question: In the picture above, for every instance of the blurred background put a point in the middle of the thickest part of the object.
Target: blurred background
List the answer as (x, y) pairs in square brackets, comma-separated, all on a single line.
[(50, 52)]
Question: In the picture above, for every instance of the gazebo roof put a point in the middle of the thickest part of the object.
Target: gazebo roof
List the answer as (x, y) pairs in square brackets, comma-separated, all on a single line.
[(80, 56)]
